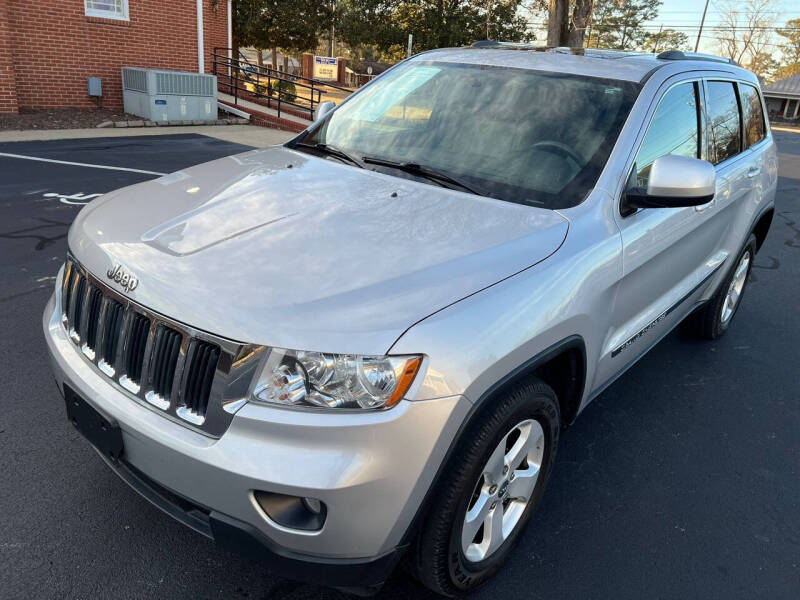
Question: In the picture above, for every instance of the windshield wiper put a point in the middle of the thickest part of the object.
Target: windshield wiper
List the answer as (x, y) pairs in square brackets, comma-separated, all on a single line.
[(332, 151), (434, 175)]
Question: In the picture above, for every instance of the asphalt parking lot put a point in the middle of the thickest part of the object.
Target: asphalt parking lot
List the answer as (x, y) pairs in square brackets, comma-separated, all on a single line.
[(681, 481)]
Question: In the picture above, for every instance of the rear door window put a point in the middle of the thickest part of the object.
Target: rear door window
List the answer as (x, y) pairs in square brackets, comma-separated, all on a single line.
[(723, 110), (752, 114)]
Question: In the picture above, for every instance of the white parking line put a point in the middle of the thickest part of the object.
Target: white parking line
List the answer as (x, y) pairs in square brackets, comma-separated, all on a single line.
[(77, 164)]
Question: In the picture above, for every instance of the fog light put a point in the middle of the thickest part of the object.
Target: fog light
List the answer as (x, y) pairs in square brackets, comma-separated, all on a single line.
[(293, 512)]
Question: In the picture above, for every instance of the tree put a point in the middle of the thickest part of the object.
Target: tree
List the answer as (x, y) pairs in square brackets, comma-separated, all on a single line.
[(293, 25), (764, 65), (558, 22), (386, 24), (581, 20), (499, 11), (745, 30), (564, 29), (666, 39), (619, 24), (790, 65)]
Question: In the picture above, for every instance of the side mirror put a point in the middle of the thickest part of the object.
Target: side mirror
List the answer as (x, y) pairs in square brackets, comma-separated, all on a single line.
[(675, 182), (323, 108)]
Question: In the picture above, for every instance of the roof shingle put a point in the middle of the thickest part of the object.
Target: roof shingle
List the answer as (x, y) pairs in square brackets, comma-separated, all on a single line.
[(790, 85)]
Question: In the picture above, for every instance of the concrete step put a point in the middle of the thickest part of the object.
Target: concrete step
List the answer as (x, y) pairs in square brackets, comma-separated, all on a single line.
[(267, 117)]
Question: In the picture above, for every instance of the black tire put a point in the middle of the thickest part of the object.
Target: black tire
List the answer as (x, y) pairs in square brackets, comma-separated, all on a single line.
[(707, 322), (437, 558)]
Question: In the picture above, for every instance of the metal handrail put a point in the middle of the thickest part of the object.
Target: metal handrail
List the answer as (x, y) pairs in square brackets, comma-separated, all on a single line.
[(309, 80), (234, 74)]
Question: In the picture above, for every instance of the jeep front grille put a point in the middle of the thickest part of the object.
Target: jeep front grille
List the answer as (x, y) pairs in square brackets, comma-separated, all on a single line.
[(191, 376)]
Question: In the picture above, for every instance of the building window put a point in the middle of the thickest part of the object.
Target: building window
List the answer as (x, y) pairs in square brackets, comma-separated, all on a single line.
[(107, 9)]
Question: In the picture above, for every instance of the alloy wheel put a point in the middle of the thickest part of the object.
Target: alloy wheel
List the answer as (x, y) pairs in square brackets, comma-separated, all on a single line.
[(503, 490), (735, 288)]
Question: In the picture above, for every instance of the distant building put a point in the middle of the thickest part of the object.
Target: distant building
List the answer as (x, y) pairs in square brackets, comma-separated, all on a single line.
[(783, 99), (283, 62), (365, 70), (49, 48)]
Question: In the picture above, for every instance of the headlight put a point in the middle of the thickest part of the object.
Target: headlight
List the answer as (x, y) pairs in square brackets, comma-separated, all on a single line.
[(297, 378)]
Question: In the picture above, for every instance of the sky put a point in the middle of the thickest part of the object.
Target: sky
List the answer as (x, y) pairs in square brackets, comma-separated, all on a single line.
[(685, 16)]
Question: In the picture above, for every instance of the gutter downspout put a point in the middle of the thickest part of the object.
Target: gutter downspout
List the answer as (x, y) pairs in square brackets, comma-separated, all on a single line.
[(201, 59), (230, 36)]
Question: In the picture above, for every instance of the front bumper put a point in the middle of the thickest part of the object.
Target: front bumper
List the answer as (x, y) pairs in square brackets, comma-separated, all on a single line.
[(372, 470)]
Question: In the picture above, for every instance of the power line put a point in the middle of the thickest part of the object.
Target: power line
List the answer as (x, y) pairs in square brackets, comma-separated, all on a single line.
[(696, 27)]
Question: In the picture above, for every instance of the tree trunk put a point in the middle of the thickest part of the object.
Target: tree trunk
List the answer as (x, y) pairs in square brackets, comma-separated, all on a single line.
[(285, 63), (260, 58), (558, 22), (581, 19), (440, 36), (274, 59)]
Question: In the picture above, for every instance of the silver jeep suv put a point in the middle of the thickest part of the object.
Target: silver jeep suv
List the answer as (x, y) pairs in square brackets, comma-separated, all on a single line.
[(363, 344)]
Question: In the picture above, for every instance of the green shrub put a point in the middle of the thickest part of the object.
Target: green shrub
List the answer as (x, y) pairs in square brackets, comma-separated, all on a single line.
[(286, 89)]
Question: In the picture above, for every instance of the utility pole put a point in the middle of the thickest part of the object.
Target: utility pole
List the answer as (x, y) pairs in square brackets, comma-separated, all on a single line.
[(332, 32), (702, 22)]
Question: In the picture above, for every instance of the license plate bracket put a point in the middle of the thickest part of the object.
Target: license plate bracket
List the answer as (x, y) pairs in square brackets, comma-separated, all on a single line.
[(103, 434)]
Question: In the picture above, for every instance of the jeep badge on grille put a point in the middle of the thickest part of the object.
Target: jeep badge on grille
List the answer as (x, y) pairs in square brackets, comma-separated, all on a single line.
[(126, 280)]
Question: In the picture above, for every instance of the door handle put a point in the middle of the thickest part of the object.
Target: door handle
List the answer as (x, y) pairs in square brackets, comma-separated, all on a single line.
[(753, 172)]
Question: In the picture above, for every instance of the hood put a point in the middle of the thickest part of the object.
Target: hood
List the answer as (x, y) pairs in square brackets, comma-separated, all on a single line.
[(280, 248)]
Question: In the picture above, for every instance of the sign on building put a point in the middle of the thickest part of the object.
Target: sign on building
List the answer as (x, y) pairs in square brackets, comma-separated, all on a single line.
[(326, 68)]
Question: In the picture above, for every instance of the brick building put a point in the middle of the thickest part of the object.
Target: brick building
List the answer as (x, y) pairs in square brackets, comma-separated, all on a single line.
[(49, 48)]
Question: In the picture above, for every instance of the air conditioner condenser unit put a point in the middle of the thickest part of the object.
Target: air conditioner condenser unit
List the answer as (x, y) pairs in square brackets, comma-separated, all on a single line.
[(159, 95)]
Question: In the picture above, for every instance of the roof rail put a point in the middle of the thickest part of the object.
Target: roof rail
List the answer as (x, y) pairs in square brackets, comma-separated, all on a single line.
[(496, 44), (574, 51), (681, 55)]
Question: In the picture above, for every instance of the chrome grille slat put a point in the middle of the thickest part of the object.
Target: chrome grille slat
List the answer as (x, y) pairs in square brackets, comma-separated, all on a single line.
[(188, 395), (94, 306), (66, 288), (138, 336), (148, 337), (180, 369), (82, 309), (157, 373), (101, 325), (127, 315), (165, 357), (76, 305), (152, 357), (112, 331)]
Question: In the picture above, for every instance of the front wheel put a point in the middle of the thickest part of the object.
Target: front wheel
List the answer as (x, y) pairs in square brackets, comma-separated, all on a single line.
[(491, 486)]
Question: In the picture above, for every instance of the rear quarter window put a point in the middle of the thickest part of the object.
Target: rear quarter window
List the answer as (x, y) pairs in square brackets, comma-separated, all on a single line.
[(723, 110), (752, 114)]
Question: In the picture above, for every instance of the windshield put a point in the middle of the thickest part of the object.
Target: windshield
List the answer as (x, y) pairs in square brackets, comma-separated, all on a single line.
[(520, 135)]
